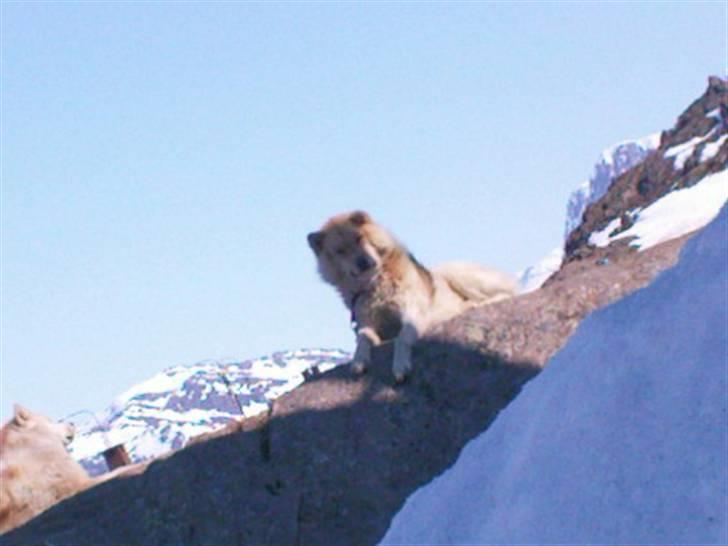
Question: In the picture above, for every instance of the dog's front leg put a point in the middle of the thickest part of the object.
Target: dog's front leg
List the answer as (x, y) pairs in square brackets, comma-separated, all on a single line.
[(403, 343), (365, 339)]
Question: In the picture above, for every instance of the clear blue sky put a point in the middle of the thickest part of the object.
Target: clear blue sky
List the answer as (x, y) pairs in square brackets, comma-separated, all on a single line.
[(162, 163)]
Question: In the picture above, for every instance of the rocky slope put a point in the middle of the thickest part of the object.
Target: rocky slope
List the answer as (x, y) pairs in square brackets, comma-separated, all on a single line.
[(647, 190), (612, 163), (693, 150), (333, 460)]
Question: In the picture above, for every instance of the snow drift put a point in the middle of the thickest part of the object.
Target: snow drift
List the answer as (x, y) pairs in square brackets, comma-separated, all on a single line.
[(620, 440)]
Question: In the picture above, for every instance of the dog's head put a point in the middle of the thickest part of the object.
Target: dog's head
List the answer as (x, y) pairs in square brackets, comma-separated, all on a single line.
[(30, 429), (350, 249)]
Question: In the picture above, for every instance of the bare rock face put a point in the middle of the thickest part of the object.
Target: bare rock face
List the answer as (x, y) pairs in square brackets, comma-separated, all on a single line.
[(336, 458)]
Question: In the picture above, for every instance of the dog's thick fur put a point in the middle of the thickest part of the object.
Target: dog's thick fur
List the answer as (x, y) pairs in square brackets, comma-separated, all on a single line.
[(390, 294), (36, 470)]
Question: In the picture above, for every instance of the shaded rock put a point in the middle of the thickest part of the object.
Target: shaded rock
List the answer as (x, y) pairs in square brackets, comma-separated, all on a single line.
[(335, 459)]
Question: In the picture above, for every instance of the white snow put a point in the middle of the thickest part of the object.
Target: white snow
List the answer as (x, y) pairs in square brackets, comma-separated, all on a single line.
[(650, 142), (622, 439), (714, 113), (675, 214), (148, 444), (601, 238), (534, 276), (161, 382), (84, 446), (682, 152), (174, 405), (712, 148)]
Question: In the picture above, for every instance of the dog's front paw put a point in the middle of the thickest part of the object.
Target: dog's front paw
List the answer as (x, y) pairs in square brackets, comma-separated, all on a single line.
[(358, 366), (400, 377), (400, 370)]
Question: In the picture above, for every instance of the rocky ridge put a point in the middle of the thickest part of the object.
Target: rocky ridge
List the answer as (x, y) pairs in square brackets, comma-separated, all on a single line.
[(612, 163), (693, 149)]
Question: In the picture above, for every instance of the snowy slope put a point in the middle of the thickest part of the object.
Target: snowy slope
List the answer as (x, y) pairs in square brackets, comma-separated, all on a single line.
[(620, 440), (163, 412), (534, 276), (676, 213)]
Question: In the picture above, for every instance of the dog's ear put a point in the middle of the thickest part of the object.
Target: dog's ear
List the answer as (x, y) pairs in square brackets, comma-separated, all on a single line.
[(359, 218), (21, 416), (316, 241)]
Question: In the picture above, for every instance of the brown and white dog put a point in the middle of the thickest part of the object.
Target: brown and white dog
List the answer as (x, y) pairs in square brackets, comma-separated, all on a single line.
[(36, 470), (389, 293)]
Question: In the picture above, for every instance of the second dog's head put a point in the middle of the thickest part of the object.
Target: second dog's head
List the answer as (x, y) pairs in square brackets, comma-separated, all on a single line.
[(350, 249)]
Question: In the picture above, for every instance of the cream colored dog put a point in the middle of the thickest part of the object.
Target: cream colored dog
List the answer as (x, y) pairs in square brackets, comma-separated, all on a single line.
[(36, 470), (389, 293)]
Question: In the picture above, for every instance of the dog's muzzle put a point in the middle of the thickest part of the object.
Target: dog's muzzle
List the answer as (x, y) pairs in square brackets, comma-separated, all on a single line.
[(364, 264)]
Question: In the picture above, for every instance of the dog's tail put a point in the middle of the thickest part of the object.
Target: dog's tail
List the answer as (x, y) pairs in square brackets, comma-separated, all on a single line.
[(476, 283)]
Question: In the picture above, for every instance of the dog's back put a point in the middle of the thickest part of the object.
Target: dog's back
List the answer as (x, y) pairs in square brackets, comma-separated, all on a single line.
[(475, 283)]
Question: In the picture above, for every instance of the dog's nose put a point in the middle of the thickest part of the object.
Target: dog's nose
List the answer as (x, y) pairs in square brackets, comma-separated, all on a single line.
[(363, 263)]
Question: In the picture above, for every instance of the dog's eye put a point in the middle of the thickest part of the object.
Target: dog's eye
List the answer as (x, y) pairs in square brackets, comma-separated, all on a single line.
[(341, 252)]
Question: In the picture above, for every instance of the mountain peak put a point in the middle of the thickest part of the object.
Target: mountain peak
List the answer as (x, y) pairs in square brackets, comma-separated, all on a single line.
[(163, 412), (693, 151)]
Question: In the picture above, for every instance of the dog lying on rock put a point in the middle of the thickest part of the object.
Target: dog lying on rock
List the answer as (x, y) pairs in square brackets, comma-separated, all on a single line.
[(389, 293)]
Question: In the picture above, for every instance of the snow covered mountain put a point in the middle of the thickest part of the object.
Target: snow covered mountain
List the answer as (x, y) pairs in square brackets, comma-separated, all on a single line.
[(687, 170), (648, 191), (534, 276), (163, 412), (620, 440), (613, 162)]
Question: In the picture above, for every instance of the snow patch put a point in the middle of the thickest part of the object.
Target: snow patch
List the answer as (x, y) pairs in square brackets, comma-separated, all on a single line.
[(677, 213), (682, 152), (602, 238), (712, 148), (533, 277), (620, 440)]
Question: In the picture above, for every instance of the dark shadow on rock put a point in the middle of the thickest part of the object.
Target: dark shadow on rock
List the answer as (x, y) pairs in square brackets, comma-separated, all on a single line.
[(332, 464), (335, 459)]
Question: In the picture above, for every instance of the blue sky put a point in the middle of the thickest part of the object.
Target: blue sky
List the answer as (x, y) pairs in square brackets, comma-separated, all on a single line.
[(162, 163)]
